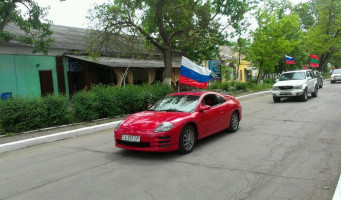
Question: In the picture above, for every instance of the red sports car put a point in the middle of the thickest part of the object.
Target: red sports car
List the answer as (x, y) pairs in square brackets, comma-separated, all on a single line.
[(177, 121)]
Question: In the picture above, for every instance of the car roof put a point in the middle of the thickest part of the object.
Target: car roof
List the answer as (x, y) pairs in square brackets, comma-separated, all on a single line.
[(303, 70)]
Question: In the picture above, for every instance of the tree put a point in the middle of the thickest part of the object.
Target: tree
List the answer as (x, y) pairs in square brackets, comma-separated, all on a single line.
[(278, 34), (185, 26), (323, 37), (30, 18)]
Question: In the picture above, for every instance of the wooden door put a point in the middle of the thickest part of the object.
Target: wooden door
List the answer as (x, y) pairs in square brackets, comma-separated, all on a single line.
[(46, 82)]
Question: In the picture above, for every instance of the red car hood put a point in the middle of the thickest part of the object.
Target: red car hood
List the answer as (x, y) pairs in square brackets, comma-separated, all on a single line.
[(150, 120)]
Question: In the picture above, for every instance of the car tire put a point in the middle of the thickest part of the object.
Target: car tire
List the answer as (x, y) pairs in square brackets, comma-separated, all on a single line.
[(331, 82), (316, 90), (320, 86), (187, 139), (304, 96), (234, 123), (276, 99)]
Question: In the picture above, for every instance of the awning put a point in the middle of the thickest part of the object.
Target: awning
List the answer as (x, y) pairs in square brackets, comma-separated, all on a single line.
[(125, 62)]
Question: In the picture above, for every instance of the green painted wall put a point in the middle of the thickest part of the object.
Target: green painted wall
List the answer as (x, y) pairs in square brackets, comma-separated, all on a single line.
[(19, 74)]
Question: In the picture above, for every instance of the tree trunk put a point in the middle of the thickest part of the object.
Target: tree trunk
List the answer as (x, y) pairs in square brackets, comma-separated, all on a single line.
[(167, 72), (7, 15)]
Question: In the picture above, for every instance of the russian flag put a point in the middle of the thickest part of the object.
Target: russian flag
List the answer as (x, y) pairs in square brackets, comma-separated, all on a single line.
[(289, 60), (193, 74)]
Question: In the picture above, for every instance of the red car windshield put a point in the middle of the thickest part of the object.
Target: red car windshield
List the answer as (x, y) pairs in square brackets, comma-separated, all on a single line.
[(176, 103)]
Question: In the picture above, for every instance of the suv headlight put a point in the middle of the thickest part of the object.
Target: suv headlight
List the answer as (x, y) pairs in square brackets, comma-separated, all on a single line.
[(275, 88), (298, 87), (165, 126)]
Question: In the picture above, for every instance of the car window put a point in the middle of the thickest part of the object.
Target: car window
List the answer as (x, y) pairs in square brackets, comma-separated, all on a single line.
[(336, 71), (212, 100), (221, 100), (309, 74), (292, 76), (176, 103)]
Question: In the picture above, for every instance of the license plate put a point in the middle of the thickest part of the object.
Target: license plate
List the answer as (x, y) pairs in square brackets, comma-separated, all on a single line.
[(131, 138)]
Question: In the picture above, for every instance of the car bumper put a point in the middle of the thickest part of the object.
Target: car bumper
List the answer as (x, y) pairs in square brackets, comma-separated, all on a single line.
[(287, 93), (335, 78), (149, 141)]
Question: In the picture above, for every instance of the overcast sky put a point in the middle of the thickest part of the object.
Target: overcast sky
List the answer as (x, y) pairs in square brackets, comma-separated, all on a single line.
[(73, 12)]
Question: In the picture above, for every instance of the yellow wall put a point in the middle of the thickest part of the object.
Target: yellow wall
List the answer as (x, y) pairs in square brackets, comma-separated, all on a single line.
[(241, 74)]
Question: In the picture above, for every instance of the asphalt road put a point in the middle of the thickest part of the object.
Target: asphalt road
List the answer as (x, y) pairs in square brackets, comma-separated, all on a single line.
[(287, 150)]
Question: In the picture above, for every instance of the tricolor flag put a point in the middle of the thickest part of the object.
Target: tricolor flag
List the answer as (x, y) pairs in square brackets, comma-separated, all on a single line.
[(304, 67), (193, 74), (314, 61), (289, 60)]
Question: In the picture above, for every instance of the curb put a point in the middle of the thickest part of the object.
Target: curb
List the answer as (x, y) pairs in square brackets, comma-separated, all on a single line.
[(55, 137), (73, 133), (253, 94)]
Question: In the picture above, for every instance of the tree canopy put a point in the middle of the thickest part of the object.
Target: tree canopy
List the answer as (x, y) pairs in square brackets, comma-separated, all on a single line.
[(278, 35), (30, 18), (188, 27)]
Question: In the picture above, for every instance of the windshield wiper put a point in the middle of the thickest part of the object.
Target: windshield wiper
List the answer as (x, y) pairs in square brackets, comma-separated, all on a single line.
[(171, 110)]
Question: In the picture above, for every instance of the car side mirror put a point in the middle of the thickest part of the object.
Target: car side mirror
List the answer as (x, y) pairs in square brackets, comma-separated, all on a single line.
[(204, 107), (276, 80)]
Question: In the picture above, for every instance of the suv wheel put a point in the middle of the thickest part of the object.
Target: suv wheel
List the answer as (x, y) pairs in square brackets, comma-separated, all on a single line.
[(314, 94), (304, 96)]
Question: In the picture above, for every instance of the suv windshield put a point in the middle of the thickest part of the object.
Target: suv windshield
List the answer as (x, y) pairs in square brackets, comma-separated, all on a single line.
[(176, 103), (337, 71), (292, 76)]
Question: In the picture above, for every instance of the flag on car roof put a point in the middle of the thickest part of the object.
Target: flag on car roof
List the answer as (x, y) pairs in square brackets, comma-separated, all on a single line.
[(314, 61), (289, 60), (193, 74), (304, 67)]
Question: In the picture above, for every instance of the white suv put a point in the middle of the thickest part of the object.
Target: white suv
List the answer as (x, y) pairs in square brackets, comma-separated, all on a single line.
[(298, 83)]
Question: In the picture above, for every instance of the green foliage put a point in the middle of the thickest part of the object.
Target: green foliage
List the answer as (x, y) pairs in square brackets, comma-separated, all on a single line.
[(30, 19), (241, 86), (323, 38), (57, 110), (22, 114), (278, 34), (107, 101), (85, 106), (225, 86)]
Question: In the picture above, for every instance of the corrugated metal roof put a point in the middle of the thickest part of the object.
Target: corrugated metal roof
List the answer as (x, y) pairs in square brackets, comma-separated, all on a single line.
[(124, 62), (73, 39)]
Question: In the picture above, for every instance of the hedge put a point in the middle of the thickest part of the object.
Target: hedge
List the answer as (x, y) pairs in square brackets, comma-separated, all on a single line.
[(20, 114)]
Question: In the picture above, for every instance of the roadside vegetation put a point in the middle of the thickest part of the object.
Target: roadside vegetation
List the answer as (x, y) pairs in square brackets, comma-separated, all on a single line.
[(19, 114)]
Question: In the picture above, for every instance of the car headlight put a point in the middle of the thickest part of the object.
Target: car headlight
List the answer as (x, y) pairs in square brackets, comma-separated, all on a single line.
[(165, 126), (119, 124), (275, 88), (298, 87)]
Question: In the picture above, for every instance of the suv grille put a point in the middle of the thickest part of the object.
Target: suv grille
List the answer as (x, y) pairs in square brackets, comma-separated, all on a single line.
[(285, 87)]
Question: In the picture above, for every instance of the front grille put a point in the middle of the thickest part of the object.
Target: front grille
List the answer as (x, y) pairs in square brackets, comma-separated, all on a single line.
[(133, 144), (285, 87)]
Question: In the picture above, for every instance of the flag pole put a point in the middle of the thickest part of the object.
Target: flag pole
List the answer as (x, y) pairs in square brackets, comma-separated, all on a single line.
[(179, 87)]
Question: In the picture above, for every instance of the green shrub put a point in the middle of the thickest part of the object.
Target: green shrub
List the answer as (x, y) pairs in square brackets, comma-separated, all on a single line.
[(57, 110), (214, 85), (241, 86), (269, 81), (22, 114), (85, 106), (225, 86)]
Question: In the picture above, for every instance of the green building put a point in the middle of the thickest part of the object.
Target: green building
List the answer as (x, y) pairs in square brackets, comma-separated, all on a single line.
[(67, 68)]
